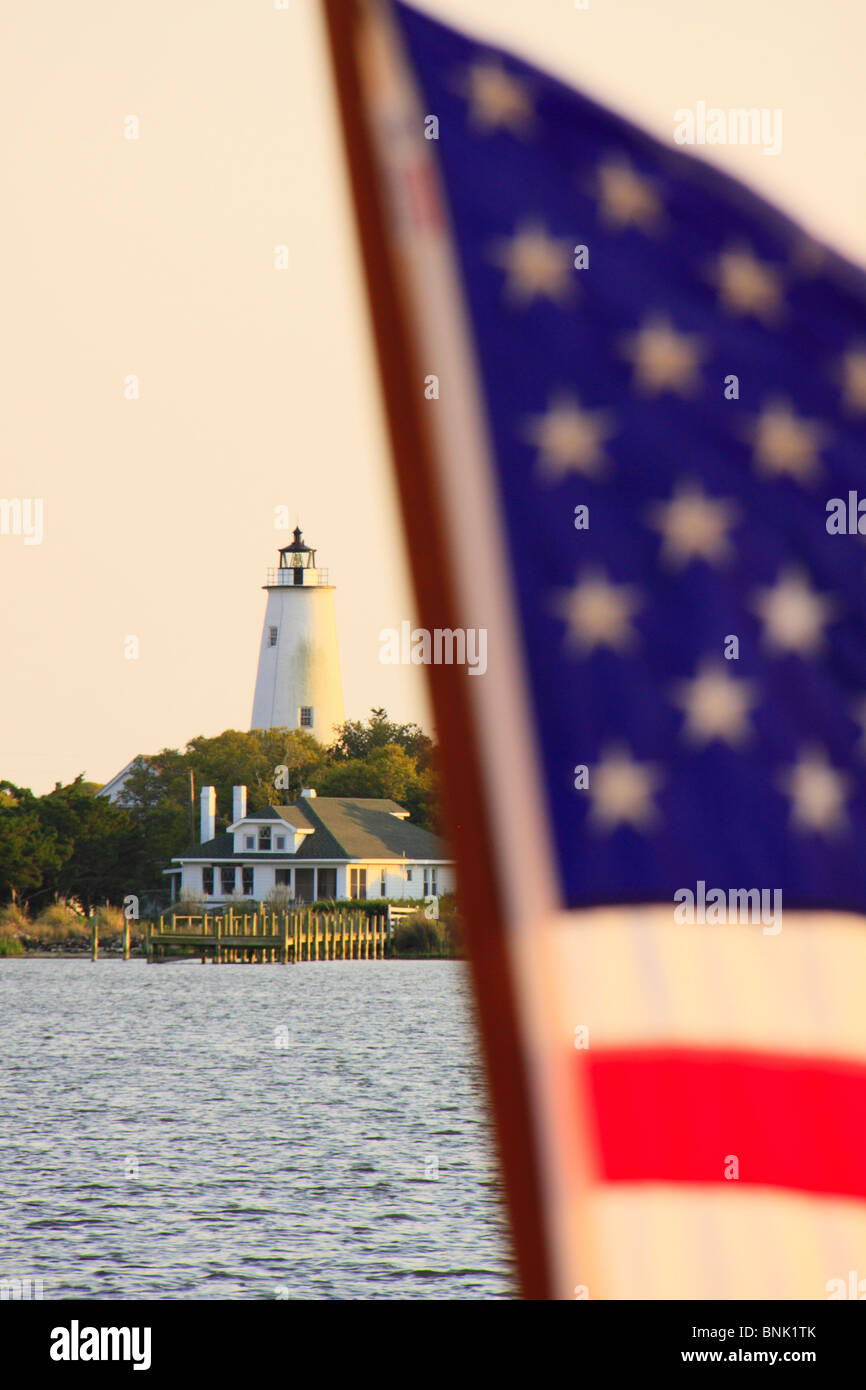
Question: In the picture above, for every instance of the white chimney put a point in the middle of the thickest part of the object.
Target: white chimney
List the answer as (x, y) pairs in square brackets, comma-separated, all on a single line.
[(239, 803), (208, 813), (308, 792)]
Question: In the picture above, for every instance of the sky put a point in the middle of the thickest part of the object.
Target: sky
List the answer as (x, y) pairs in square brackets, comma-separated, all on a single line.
[(155, 258)]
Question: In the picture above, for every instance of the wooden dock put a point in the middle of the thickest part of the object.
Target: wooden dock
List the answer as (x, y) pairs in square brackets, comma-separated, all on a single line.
[(231, 938)]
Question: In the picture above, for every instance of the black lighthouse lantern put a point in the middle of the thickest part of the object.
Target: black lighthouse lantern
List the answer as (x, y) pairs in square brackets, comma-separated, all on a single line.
[(297, 557)]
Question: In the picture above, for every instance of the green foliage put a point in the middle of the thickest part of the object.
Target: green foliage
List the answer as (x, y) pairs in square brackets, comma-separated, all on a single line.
[(424, 936), (13, 920), (10, 946), (60, 922), (28, 848), (358, 740), (76, 846), (100, 843), (110, 922)]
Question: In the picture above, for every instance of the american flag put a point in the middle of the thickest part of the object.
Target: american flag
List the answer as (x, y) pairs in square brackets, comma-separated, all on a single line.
[(648, 426)]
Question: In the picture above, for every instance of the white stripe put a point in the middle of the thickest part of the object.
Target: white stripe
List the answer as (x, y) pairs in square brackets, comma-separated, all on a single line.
[(726, 1241), (633, 977)]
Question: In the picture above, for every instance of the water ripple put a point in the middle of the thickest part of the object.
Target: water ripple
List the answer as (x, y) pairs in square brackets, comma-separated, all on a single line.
[(188, 1133)]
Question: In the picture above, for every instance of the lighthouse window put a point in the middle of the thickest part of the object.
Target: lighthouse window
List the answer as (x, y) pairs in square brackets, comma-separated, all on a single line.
[(272, 636), (306, 716)]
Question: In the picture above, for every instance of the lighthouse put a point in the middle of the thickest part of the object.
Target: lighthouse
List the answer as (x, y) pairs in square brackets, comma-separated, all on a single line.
[(298, 684)]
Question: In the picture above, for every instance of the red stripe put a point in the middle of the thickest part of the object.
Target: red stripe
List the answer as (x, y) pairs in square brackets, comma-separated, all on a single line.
[(671, 1115)]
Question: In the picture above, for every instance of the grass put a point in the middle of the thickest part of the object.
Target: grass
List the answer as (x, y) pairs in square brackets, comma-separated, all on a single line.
[(60, 928)]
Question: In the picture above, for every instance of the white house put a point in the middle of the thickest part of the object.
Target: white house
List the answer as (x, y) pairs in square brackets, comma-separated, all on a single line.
[(317, 847)]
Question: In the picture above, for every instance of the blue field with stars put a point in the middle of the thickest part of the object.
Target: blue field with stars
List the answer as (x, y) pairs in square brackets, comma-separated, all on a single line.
[(659, 346)]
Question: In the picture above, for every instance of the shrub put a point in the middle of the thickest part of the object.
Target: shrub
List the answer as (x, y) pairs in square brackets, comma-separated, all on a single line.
[(59, 922), (109, 921), (419, 935), (10, 946), (13, 920)]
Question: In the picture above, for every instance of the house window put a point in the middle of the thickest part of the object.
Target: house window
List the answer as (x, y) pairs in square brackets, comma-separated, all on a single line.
[(247, 874), (383, 885), (306, 717), (249, 842), (272, 636), (357, 883), (227, 879), (283, 878), (326, 883), (280, 841), (265, 837), (408, 875), (207, 880), (429, 881)]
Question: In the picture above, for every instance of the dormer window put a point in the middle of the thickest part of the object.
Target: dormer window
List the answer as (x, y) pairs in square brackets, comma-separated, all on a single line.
[(249, 842), (265, 837), (279, 841)]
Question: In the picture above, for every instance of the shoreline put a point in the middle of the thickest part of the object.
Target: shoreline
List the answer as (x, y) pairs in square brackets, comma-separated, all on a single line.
[(140, 955)]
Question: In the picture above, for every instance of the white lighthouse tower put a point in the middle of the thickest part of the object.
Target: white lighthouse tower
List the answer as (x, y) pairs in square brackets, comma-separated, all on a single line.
[(298, 684)]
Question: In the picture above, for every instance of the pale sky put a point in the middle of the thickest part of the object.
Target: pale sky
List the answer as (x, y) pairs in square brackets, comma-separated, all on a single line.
[(155, 257)]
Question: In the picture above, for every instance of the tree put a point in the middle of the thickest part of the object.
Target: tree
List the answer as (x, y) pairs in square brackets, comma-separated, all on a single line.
[(356, 739), (27, 851), (387, 772), (99, 842)]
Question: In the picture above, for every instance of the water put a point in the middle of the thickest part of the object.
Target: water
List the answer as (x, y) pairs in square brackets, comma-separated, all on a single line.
[(157, 1140)]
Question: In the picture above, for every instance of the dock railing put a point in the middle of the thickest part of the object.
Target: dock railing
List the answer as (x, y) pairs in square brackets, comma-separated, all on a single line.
[(231, 937)]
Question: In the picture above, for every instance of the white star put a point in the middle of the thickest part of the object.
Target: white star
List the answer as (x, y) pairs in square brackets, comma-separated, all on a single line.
[(693, 526), (598, 613), (716, 706), (664, 359), (537, 265), (747, 285), (626, 198), (794, 614), (787, 443), (569, 439), (817, 793), (622, 791), (854, 380), (496, 98)]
